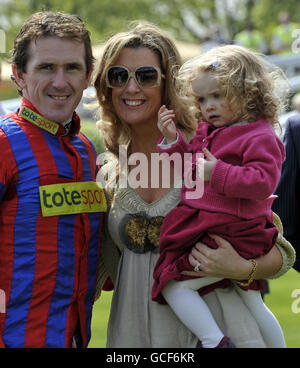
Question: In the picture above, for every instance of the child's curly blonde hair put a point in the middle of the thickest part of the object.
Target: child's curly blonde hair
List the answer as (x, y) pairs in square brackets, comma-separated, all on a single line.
[(252, 86)]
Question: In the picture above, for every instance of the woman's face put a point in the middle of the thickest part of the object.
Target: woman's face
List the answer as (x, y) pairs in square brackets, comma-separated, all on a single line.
[(134, 105)]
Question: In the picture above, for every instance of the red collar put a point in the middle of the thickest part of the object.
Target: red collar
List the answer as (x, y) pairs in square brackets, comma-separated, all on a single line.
[(30, 113)]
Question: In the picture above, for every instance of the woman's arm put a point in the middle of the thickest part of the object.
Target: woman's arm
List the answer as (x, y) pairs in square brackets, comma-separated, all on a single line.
[(225, 262)]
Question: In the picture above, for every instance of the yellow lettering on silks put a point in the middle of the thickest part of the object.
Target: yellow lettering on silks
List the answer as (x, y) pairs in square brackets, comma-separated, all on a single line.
[(71, 198), (39, 120)]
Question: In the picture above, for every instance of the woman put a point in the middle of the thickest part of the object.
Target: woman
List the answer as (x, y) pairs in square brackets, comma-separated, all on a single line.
[(134, 77)]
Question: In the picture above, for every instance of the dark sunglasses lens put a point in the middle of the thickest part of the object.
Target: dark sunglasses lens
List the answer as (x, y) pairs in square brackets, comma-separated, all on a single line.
[(117, 76), (146, 76)]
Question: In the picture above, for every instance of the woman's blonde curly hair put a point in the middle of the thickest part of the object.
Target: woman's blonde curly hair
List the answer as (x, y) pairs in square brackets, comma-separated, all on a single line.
[(140, 35), (252, 86)]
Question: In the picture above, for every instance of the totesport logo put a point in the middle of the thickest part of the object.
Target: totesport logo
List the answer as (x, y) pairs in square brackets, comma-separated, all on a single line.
[(39, 120), (72, 198)]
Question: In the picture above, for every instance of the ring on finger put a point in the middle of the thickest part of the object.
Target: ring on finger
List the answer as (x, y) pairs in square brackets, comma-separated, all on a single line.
[(196, 268)]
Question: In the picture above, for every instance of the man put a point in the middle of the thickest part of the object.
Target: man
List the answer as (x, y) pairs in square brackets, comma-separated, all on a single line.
[(295, 105), (287, 205), (283, 35), (252, 38), (51, 209)]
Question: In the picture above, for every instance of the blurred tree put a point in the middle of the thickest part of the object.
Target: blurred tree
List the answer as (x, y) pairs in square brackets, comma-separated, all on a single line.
[(190, 20)]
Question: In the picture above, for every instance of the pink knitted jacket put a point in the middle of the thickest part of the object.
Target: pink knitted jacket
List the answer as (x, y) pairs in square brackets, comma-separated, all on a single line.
[(247, 171)]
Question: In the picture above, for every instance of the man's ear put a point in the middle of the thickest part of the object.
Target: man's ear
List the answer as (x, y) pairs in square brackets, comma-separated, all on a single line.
[(19, 77)]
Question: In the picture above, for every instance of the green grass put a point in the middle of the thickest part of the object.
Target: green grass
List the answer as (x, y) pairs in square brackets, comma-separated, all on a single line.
[(100, 320), (88, 127), (279, 301)]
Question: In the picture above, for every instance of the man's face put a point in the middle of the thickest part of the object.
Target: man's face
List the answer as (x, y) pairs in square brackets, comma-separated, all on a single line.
[(55, 76)]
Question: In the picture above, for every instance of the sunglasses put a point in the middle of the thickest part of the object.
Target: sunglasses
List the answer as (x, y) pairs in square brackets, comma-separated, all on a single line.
[(145, 76)]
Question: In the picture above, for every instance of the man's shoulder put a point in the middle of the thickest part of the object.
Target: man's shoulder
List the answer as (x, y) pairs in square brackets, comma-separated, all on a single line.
[(4, 120), (293, 123), (9, 118), (10, 124)]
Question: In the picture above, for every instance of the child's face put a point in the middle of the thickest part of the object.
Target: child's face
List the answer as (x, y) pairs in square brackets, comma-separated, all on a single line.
[(214, 107)]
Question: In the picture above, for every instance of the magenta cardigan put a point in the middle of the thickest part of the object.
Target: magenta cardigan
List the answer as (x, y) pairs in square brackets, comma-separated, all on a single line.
[(249, 156)]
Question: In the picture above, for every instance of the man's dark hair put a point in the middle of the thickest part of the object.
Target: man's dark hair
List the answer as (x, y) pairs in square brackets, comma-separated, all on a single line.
[(55, 24)]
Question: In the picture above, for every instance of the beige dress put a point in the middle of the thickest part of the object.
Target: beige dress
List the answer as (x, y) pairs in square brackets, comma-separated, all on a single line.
[(129, 253)]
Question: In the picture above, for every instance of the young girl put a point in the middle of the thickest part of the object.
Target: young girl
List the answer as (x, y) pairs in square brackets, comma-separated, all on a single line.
[(237, 104)]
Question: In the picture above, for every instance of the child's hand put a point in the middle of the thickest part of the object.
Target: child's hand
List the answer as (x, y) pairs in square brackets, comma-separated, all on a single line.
[(166, 124), (206, 166)]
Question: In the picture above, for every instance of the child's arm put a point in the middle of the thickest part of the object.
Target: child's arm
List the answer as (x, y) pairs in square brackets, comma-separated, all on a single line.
[(257, 175), (166, 124)]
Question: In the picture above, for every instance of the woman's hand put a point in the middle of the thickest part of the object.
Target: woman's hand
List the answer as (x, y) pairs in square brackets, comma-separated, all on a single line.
[(222, 262)]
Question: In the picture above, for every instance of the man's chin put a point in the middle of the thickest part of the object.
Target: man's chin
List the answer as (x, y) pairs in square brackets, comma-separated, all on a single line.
[(58, 118)]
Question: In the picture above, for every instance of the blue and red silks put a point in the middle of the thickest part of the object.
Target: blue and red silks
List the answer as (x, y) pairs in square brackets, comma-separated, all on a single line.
[(48, 265)]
